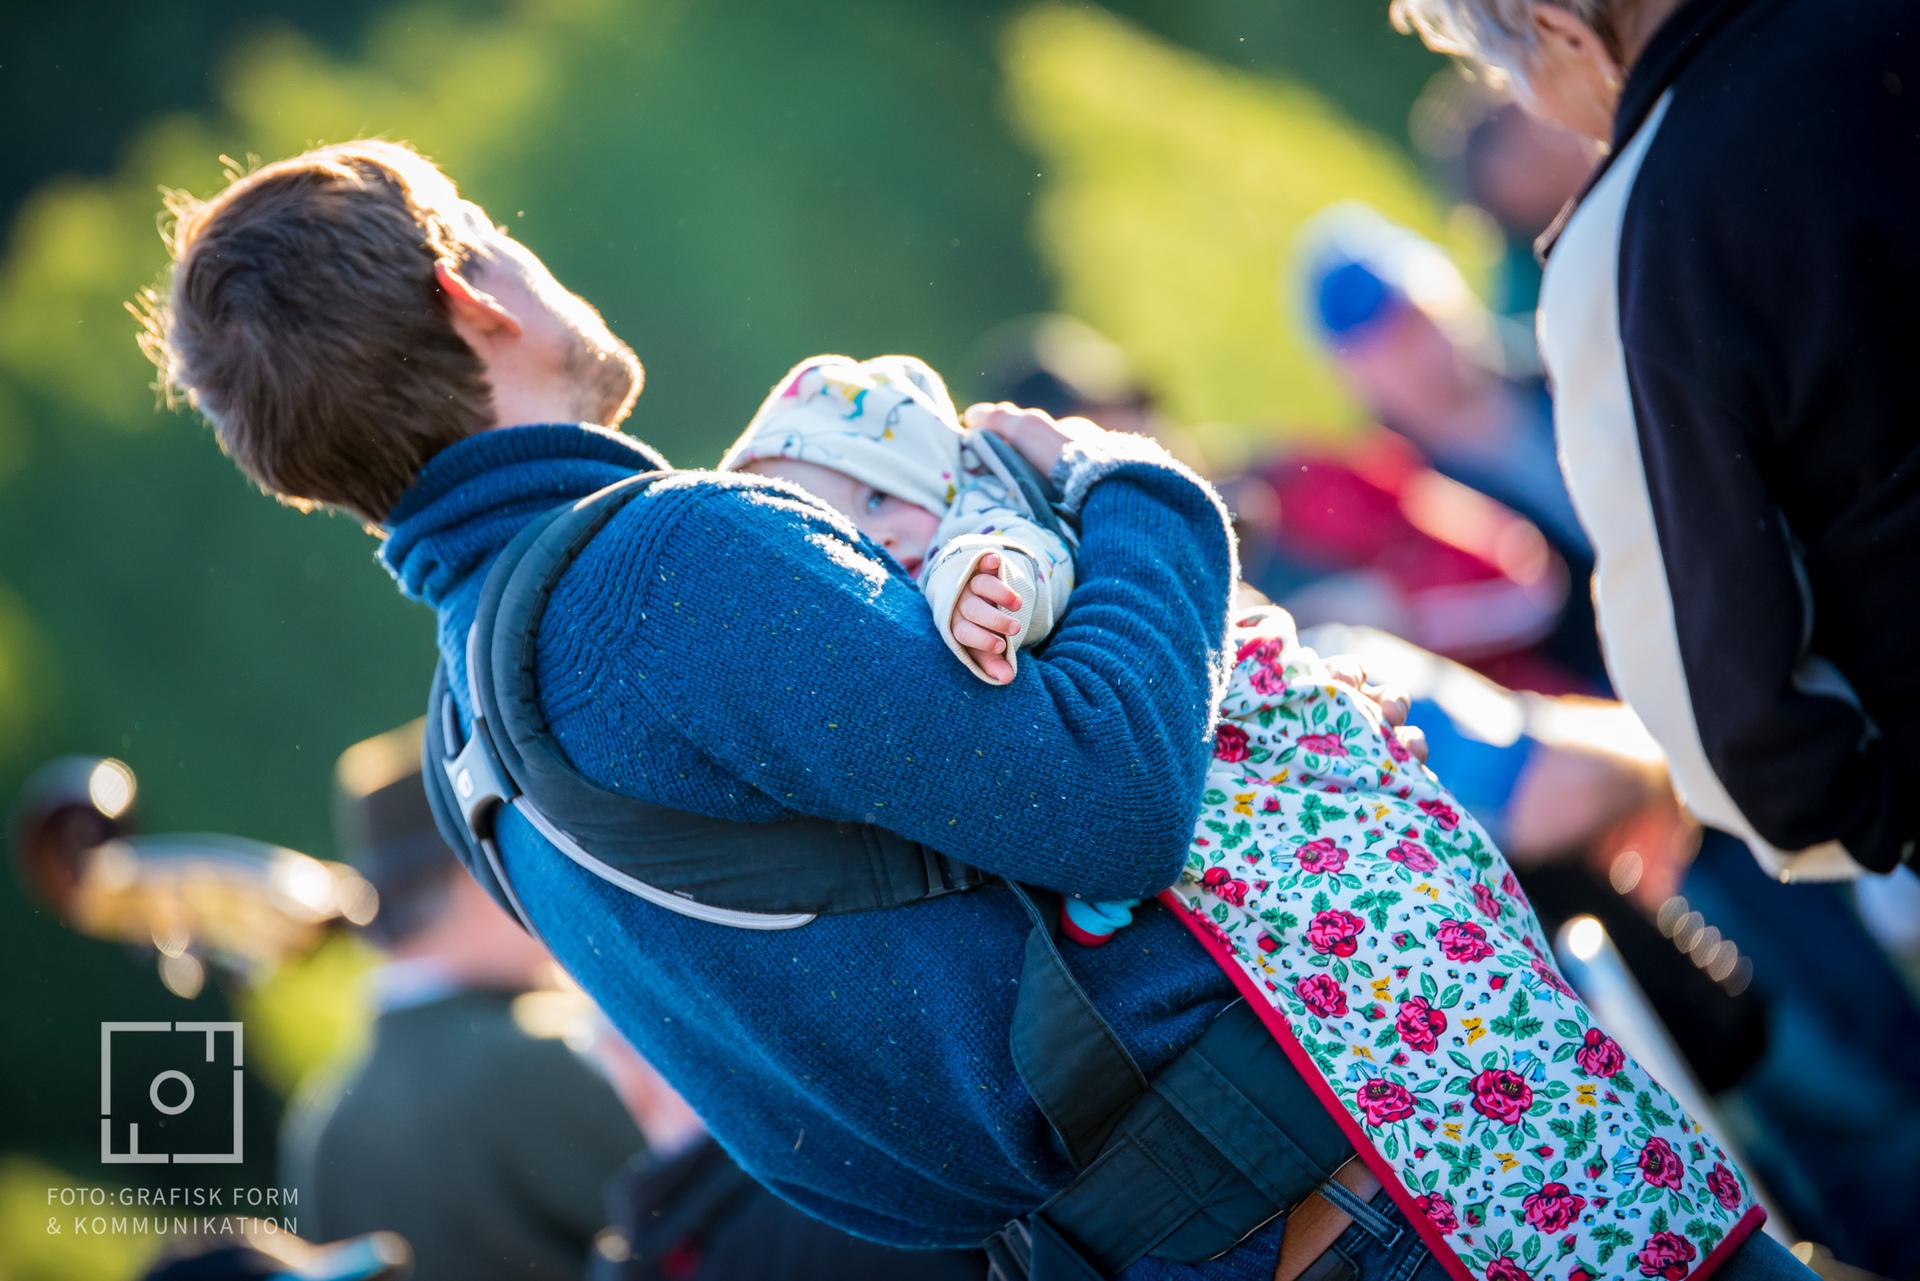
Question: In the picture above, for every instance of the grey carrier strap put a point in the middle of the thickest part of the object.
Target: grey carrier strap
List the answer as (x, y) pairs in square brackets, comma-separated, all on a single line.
[(763, 876)]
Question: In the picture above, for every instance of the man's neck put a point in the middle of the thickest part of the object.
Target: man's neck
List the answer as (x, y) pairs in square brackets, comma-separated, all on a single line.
[(533, 415), (1637, 28), (516, 406)]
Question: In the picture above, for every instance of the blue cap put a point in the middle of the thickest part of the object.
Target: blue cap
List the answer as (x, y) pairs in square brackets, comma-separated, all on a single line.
[(1350, 294)]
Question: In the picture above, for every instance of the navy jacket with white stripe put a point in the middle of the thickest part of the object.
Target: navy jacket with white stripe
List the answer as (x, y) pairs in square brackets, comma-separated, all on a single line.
[(1730, 317)]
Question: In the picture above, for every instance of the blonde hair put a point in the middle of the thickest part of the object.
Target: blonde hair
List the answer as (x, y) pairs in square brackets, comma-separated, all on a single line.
[(1496, 35)]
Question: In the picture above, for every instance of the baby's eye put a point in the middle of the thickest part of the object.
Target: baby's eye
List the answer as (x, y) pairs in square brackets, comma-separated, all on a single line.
[(876, 500)]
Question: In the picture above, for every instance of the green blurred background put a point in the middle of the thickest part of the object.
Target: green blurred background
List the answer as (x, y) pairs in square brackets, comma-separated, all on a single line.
[(736, 184)]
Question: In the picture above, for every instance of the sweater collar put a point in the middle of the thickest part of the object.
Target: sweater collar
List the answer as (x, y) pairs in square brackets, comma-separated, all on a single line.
[(472, 497), (1690, 29)]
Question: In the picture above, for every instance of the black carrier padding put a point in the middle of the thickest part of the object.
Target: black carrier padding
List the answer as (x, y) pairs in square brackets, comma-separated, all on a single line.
[(1068, 1057)]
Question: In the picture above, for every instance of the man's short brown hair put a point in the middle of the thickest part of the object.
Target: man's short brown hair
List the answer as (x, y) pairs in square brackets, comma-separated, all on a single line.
[(303, 320)]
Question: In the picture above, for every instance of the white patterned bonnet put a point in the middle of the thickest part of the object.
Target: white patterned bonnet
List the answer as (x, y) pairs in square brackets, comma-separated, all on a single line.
[(887, 422)]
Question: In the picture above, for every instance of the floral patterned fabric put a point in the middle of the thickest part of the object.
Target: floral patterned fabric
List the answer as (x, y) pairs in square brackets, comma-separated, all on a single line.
[(1412, 975)]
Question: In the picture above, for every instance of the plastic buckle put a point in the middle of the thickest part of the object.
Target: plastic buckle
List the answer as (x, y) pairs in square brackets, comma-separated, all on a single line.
[(1010, 1252), (945, 876), (479, 780)]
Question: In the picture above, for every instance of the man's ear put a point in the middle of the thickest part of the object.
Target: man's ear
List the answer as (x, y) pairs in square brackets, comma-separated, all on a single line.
[(473, 311), (1561, 30)]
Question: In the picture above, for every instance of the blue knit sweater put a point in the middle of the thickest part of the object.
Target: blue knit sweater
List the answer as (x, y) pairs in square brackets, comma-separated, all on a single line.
[(730, 647)]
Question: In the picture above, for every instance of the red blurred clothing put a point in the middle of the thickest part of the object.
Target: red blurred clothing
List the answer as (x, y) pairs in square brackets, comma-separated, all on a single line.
[(1371, 534)]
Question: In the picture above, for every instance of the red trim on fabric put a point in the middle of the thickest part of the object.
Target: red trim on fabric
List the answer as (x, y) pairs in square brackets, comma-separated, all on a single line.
[(1735, 1238), (1084, 938), (1276, 1022)]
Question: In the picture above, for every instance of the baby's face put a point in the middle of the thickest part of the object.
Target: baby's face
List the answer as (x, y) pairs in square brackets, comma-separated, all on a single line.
[(905, 529)]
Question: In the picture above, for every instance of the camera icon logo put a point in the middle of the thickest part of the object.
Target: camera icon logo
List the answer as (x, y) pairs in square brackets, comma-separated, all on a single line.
[(210, 1054)]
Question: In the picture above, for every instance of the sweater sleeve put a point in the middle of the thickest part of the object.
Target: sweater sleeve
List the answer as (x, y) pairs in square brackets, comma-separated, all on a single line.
[(776, 641)]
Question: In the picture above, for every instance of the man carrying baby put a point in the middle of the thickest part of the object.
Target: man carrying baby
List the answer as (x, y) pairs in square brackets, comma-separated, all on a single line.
[(362, 338)]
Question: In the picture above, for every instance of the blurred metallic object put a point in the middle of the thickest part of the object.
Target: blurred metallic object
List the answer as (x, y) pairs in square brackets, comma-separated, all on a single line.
[(196, 899), (281, 1256), (1594, 966)]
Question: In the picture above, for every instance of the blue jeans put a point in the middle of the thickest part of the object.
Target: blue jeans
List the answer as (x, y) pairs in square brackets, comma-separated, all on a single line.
[(1381, 1246), (1378, 1246), (1761, 1258)]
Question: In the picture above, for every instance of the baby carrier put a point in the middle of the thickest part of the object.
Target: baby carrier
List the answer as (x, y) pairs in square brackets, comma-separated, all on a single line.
[(1182, 1166)]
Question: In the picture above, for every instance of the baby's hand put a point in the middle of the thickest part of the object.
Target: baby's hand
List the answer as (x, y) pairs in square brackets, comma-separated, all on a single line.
[(981, 624)]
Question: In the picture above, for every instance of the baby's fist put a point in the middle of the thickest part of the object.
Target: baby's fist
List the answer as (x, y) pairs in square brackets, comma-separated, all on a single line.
[(982, 623)]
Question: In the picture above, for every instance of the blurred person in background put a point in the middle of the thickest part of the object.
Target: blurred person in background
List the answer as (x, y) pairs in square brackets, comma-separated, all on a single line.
[(685, 1211), (1063, 366), (1724, 317), (1424, 357), (469, 1126), (1516, 168), (1362, 534)]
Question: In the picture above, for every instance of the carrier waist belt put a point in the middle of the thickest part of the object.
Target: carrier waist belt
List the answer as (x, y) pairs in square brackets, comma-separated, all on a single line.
[(1227, 1137)]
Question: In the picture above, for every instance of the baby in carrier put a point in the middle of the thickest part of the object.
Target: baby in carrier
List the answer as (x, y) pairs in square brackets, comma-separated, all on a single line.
[(1362, 912)]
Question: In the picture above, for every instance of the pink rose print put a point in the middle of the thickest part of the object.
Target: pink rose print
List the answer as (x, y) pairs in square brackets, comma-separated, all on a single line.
[(1265, 650), (1268, 943), (1223, 883), (1420, 1025), (1725, 1188), (1507, 1270), (1335, 932), (1484, 900), (1442, 813), (1322, 856), (1323, 744), (1660, 1164), (1599, 1054), (1439, 1211), (1384, 1102), (1322, 995), (1668, 1255), (1395, 748), (1413, 856), (1497, 982), (1510, 886), (1464, 941), (1551, 977), (1553, 1207), (1269, 676), (1229, 743), (1504, 1096), (1579, 1274)]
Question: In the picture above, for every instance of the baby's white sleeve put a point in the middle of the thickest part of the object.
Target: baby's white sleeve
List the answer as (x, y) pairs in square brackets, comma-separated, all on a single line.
[(1035, 562)]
